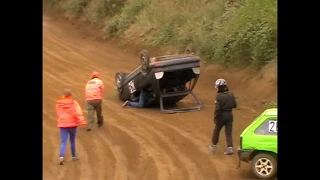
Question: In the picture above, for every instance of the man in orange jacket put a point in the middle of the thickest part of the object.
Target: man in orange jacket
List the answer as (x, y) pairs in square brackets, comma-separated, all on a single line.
[(94, 90), (70, 115)]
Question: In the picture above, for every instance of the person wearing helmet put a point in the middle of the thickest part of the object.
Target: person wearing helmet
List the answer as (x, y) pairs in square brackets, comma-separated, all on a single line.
[(223, 117), (94, 90)]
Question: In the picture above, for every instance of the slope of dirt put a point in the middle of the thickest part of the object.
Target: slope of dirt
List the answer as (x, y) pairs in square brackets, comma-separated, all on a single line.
[(138, 144)]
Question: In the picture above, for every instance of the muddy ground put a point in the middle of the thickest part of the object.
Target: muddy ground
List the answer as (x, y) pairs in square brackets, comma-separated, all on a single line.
[(139, 144)]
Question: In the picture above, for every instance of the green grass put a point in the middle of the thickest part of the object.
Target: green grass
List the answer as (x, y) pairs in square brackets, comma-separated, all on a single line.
[(241, 33)]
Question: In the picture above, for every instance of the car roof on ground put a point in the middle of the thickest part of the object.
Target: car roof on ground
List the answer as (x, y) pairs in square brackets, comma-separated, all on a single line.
[(271, 112)]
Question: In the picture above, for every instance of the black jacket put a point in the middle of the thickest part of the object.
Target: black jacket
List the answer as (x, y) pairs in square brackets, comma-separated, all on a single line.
[(225, 102)]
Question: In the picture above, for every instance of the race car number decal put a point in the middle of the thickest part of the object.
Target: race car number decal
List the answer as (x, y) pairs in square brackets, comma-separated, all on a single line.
[(273, 126), (131, 87)]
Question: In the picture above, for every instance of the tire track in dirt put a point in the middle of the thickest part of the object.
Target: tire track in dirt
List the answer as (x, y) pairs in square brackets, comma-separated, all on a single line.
[(220, 161), (189, 149), (101, 159), (80, 57), (89, 57), (178, 168), (121, 160), (132, 153), (68, 43), (146, 133), (161, 158), (57, 61), (190, 167)]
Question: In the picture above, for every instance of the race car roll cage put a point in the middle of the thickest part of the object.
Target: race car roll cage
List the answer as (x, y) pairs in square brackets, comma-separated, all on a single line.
[(159, 72), (179, 110)]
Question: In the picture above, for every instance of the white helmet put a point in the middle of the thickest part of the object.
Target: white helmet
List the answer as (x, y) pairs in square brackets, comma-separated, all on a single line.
[(220, 82)]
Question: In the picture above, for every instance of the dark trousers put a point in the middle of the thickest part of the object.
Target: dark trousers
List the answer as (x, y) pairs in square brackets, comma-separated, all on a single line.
[(64, 133), (141, 102), (228, 131), (94, 106)]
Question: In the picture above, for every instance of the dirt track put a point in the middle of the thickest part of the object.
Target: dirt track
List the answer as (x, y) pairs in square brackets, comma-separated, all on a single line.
[(135, 144)]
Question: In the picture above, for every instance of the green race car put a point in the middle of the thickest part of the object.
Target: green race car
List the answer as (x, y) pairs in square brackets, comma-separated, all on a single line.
[(259, 144)]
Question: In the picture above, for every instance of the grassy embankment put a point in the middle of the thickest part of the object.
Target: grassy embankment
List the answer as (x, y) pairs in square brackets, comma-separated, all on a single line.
[(230, 32)]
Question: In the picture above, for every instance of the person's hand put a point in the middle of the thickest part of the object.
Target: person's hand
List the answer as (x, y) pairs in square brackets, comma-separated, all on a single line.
[(82, 124), (215, 119)]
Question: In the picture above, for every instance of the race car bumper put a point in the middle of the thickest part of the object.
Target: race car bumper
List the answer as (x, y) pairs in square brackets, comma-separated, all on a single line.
[(244, 155)]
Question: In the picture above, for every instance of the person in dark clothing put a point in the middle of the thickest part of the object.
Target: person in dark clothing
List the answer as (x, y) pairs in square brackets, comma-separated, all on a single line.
[(223, 117), (138, 102)]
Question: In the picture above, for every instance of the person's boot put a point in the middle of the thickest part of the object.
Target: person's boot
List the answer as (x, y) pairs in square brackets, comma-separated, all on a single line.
[(229, 151), (61, 160), (213, 147), (100, 124), (75, 158)]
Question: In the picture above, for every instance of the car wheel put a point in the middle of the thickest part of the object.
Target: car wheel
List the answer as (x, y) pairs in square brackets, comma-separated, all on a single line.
[(145, 60), (264, 166), (119, 78)]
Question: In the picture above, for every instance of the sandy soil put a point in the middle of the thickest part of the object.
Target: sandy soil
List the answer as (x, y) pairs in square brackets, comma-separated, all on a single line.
[(139, 144)]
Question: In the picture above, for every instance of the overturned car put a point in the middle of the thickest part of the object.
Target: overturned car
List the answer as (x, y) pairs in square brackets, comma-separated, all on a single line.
[(167, 79)]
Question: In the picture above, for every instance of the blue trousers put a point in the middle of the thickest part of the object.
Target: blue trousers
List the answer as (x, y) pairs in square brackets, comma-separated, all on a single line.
[(142, 101), (64, 133)]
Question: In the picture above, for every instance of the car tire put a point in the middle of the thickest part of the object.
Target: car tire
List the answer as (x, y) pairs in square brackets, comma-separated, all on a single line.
[(270, 160), (145, 61), (119, 78)]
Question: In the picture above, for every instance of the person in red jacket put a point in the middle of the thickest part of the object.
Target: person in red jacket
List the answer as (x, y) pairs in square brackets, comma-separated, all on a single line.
[(94, 90), (70, 115)]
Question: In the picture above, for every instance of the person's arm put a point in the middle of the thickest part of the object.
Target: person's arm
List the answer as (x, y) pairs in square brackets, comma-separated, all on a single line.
[(235, 104), (217, 109), (79, 114), (101, 87)]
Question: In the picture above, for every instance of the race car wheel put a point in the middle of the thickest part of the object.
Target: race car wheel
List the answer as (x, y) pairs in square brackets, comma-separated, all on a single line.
[(119, 78), (145, 60), (264, 166)]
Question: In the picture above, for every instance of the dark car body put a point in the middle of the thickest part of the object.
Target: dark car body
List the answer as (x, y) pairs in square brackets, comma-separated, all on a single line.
[(167, 79)]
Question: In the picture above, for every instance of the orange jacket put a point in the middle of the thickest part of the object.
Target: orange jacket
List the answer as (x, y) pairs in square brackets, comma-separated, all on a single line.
[(94, 89), (69, 113)]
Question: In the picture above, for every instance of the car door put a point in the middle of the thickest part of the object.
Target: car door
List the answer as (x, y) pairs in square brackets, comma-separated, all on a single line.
[(266, 135)]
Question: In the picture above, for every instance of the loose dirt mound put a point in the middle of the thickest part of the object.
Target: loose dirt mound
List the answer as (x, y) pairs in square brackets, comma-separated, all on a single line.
[(137, 144)]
